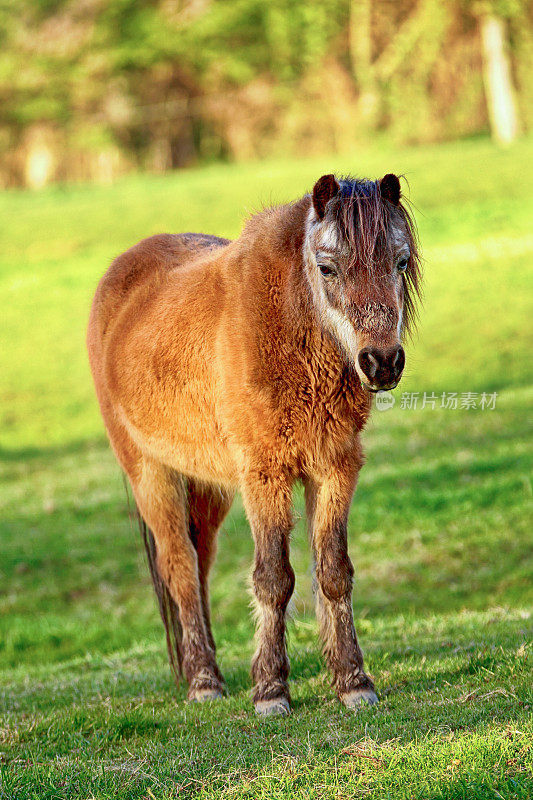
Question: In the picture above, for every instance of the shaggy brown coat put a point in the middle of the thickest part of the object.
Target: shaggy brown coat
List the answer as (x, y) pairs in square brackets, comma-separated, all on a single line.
[(221, 365)]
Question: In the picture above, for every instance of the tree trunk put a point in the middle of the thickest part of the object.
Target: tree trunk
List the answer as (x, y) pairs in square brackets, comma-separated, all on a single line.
[(361, 61), (498, 82)]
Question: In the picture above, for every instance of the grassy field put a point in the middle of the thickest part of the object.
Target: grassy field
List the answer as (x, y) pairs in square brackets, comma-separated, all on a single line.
[(441, 526)]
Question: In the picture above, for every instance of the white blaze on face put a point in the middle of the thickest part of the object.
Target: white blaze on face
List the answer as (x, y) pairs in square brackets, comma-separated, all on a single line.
[(323, 234), (343, 330), (400, 320), (327, 236), (400, 245)]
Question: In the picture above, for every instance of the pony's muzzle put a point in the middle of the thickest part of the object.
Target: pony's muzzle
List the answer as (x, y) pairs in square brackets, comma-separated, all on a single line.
[(381, 367)]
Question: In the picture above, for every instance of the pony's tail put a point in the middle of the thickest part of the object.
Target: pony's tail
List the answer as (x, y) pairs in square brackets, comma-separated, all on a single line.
[(167, 607)]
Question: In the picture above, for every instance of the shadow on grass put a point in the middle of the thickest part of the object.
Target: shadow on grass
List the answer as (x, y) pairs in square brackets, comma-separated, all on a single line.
[(52, 453)]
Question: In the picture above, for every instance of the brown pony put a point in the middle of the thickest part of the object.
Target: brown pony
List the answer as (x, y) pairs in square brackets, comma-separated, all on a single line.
[(250, 364)]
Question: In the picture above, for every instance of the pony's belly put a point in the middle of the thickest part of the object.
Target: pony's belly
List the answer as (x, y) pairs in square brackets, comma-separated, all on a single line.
[(191, 444)]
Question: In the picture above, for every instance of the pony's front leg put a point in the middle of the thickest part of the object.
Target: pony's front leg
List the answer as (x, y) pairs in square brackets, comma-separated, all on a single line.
[(267, 499), (328, 503)]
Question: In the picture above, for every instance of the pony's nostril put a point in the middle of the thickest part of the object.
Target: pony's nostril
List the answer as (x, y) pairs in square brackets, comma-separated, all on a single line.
[(398, 362), (373, 364), (368, 363)]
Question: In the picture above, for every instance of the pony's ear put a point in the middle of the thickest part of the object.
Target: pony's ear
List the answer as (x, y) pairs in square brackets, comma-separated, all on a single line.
[(324, 189), (390, 188)]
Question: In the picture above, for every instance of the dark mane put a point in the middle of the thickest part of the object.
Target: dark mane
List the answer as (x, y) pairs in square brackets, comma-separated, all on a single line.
[(363, 219)]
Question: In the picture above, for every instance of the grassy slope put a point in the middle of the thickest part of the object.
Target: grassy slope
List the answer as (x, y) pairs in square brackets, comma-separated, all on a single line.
[(440, 529)]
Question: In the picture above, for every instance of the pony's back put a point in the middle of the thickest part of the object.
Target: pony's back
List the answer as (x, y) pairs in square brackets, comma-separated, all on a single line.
[(142, 267)]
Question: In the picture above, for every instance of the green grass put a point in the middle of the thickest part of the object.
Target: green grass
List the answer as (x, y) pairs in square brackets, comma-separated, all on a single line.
[(440, 529)]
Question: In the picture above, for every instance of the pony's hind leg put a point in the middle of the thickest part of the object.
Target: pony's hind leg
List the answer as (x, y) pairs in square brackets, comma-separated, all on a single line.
[(161, 496), (208, 505)]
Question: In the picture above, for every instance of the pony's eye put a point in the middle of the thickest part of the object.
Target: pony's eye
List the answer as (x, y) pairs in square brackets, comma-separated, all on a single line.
[(401, 266), (326, 270)]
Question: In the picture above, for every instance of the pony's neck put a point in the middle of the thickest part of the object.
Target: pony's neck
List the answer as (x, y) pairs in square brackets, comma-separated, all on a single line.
[(273, 243), (276, 238), (289, 233)]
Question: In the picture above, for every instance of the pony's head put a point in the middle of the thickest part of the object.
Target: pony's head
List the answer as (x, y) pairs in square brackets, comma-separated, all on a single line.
[(362, 264)]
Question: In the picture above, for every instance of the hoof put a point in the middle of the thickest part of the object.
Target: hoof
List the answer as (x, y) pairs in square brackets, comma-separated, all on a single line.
[(279, 707), (359, 698), (204, 695)]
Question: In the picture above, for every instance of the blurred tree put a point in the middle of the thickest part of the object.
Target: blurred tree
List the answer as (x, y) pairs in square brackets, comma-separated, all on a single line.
[(499, 87), (361, 61)]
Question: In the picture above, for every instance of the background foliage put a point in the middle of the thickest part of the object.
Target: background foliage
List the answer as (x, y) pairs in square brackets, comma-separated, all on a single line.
[(97, 87)]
